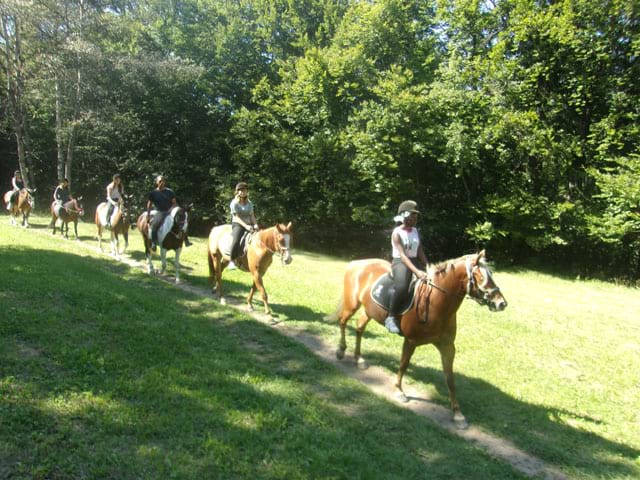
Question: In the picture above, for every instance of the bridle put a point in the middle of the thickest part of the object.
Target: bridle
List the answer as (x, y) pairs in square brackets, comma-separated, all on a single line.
[(280, 250), (473, 286)]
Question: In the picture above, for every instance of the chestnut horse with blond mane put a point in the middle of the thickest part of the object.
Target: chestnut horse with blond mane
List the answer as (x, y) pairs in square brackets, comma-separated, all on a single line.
[(431, 318), (22, 205), (260, 249)]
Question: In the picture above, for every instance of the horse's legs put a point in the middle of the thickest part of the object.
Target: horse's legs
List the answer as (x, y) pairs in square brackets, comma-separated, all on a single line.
[(257, 283), (147, 253), (217, 268), (177, 264), (447, 354), (408, 347), (347, 309), (53, 224), (360, 328), (126, 240), (100, 237), (163, 260), (113, 242), (75, 228)]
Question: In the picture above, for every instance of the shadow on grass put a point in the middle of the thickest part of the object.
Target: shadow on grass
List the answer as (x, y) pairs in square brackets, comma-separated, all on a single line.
[(152, 386), (537, 429), (109, 373)]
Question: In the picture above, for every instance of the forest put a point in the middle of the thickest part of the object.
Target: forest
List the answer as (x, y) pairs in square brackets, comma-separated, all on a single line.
[(513, 123)]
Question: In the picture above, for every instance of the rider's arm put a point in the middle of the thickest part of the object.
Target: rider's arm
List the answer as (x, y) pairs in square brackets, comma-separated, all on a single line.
[(109, 199), (237, 219), (395, 239), (421, 255), (13, 182)]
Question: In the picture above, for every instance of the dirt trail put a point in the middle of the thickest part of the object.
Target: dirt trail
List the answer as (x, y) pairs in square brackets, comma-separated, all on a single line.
[(380, 382)]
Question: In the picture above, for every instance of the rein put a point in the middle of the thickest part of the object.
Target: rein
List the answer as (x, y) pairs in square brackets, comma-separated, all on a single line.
[(280, 250), (471, 283)]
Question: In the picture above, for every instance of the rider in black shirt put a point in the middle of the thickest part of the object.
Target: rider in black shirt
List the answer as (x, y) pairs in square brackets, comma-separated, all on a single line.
[(163, 199)]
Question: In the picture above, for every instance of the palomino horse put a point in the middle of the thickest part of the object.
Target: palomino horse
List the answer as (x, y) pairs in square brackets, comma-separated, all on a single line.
[(430, 319), (119, 226), (22, 205), (171, 235), (67, 213), (262, 245)]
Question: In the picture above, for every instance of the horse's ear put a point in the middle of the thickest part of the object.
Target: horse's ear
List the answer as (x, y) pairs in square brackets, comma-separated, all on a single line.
[(79, 198), (481, 255), (289, 225), (189, 207)]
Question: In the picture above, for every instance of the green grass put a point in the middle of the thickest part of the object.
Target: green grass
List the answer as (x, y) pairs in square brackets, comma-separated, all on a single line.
[(105, 372)]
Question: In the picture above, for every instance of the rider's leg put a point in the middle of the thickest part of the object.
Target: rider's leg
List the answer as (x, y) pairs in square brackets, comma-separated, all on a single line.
[(237, 231), (401, 280), (109, 213)]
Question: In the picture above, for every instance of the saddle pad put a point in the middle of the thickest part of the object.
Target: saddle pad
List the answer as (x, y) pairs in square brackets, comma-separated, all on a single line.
[(167, 224), (383, 288), (227, 239), (102, 213)]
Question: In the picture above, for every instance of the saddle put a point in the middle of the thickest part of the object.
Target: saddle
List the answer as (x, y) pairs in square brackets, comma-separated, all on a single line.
[(383, 289), (245, 241)]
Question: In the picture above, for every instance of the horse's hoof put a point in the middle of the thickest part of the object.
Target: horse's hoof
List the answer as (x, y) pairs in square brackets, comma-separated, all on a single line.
[(340, 353), (178, 281), (223, 301), (459, 421), (362, 364), (401, 397)]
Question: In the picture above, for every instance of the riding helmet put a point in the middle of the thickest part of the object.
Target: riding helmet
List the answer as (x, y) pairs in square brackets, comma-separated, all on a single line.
[(408, 206), (242, 186), (159, 178)]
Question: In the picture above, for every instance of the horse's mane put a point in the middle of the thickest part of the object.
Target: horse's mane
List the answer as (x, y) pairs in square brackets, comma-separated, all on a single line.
[(441, 268)]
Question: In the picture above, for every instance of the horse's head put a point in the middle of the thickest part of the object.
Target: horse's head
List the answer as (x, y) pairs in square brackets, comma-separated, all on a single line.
[(77, 206), (283, 242), (480, 284), (180, 220)]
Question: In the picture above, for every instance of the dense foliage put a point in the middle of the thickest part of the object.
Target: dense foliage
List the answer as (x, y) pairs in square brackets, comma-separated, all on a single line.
[(514, 123)]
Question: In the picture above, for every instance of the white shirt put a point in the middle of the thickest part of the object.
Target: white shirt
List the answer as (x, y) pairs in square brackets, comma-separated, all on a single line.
[(410, 240)]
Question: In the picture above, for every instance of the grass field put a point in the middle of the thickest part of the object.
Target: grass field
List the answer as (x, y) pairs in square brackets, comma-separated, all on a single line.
[(107, 373)]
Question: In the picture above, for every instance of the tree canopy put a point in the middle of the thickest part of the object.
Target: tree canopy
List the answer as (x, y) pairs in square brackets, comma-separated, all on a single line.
[(513, 123)]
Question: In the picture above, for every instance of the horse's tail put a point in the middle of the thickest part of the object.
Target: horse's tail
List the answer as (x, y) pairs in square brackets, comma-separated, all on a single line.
[(335, 316)]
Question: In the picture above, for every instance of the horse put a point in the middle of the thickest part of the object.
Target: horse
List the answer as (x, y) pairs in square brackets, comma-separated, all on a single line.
[(171, 235), (69, 212), (259, 256), (119, 225), (431, 318), (22, 205)]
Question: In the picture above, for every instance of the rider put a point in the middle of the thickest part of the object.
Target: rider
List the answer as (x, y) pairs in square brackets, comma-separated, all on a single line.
[(163, 199), (17, 184), (408, 258), (115, 194), (242, 217), (61, 195)]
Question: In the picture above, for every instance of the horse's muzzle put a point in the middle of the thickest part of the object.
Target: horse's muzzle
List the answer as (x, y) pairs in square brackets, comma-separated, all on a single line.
[(497, 305)]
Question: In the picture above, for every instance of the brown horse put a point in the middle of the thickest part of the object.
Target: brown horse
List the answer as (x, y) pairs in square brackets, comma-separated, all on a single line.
[(171, 235), (430, 319), (22, 205), (67, 213), (262, 245), (119, 226)]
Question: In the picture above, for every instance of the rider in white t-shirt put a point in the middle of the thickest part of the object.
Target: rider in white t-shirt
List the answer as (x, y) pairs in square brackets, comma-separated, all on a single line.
[(408, 258)]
